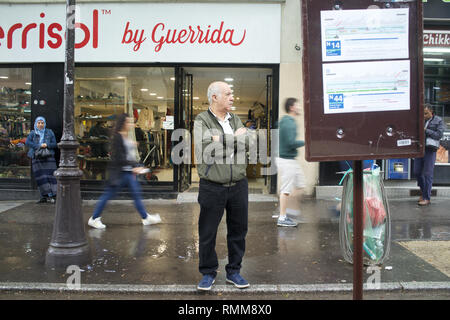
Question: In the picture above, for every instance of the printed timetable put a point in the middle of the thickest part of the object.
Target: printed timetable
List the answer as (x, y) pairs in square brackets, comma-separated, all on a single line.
[(364, 34)]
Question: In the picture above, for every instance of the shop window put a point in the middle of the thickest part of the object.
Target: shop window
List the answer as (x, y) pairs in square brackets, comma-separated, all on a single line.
[(15, 122), (437, 93), (147, 94)]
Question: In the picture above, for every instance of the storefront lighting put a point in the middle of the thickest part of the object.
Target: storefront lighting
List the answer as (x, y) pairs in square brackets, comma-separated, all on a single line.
[(436, 50), (228, 79), (196, 98), (237, 98), (172, 78), (433, 59), (233, 108), (159, 97), (231, 86), (4, 77), (144, 89), (28, 83), (152, 94)]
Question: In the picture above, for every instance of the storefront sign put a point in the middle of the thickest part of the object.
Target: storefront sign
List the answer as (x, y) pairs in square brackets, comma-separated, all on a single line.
[(144, 32), (436, 38)]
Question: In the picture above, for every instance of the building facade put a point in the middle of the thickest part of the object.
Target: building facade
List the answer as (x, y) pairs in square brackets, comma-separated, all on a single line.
[(154, 60)]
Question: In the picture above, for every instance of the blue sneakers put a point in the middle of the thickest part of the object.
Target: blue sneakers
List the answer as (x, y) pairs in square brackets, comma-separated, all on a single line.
[(237, 280), (206, 283)]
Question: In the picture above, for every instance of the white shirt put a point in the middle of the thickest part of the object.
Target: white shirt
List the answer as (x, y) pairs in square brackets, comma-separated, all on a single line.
[(225, 124)]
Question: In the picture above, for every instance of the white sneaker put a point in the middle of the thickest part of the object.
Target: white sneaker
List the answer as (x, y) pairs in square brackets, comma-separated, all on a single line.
[(96, 223), (151, 219)]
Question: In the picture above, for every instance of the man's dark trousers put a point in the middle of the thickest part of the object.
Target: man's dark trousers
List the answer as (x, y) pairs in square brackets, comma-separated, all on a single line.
[(423, 170), (213, 199)]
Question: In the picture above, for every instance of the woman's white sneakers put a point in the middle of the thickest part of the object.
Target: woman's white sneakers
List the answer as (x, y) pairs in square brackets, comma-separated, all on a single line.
[(151, 219), (96, 223)]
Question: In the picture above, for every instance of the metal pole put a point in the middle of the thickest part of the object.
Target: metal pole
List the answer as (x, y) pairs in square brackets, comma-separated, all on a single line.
[(358, 199), (68, 245)]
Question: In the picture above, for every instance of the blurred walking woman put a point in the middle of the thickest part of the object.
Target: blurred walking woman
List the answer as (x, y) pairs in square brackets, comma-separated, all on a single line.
[(42, 144), (123, 169)]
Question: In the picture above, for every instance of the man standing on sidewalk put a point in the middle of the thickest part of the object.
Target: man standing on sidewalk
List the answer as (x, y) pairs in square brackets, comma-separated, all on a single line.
[(220, 143), (292, 179)]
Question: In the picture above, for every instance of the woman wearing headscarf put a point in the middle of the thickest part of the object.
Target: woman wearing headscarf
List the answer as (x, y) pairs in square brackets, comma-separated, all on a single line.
[(43, 168)]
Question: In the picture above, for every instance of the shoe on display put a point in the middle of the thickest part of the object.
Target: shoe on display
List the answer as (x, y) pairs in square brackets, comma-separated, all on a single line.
[(96, 223), (237, 280), (206, 283), (151, 219)]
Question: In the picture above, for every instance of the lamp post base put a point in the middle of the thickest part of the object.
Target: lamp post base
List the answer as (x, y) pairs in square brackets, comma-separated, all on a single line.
[(68, 245), (61, 258)]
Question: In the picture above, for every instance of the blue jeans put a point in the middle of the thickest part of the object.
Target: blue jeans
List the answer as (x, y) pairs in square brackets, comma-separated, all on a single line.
[(127, 178), (424, 169)]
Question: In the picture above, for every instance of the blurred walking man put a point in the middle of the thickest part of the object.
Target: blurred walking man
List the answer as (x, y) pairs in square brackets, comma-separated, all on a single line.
[(292, 179)]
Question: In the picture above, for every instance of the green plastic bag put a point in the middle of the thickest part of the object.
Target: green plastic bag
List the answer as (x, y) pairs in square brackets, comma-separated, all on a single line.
[(377, 225)]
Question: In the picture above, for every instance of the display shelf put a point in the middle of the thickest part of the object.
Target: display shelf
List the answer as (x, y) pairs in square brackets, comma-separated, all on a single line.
[(93, 119), (93, 140)]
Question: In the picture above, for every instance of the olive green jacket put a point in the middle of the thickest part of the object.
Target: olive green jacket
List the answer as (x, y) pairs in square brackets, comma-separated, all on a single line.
[(213, 159)]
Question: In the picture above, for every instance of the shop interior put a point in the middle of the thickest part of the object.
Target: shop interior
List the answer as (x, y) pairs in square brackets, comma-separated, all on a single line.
[(147, 93), (15, 122), (437, 93), (252, 91), (101, 93)]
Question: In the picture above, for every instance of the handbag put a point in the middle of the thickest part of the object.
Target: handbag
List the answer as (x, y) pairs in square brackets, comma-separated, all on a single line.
[(42, 153), (432, 144)]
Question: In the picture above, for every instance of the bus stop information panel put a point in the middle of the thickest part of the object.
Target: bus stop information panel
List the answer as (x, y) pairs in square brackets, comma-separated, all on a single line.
[(363, 76)]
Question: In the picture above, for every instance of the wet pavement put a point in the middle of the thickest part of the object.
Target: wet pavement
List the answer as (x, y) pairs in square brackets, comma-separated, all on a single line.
[(128, 253)]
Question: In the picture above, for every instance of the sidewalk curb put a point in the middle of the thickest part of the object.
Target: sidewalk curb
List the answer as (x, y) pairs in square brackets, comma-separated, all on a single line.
[(191, 289)]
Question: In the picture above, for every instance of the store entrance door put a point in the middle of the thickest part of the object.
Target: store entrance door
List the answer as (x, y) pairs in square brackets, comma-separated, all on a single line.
[(254, 98), (185, 121), (269, 120)]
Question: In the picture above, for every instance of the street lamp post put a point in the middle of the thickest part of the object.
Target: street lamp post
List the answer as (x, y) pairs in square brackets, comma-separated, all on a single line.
[(68, 245)]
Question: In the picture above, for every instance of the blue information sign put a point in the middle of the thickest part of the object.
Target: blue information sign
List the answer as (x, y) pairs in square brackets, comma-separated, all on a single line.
[(336, 101), (333, 48)]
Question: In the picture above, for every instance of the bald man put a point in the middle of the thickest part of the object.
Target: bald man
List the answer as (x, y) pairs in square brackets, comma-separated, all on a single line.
[(219, 135)]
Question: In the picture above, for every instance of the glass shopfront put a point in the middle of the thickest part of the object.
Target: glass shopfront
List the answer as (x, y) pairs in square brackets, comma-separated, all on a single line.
[(15, 122), (159, 81), (437, 93), (145, 93)]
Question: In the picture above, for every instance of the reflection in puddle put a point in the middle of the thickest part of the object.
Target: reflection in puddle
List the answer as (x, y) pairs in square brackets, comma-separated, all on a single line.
[(419, 231)]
